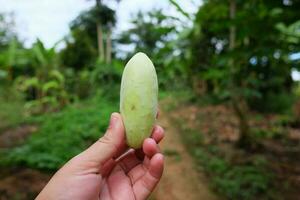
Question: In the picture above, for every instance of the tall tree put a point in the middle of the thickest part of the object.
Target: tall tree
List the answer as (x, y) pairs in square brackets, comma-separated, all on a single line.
[(84, 45), (99, 32), (238, 102), (237, 49), (155, 34), (105, 20)]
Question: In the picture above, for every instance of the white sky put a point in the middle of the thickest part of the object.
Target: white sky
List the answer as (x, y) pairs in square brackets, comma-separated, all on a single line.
[(49, 19)]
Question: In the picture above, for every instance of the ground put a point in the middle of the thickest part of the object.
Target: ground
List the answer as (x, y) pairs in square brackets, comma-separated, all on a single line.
[(19, 183), (180, 179), (276, 141)]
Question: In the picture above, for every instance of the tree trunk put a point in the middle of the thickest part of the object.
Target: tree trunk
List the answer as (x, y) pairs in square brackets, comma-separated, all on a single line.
[(108, 47), (98, 2), (232, 31), (10, 74), (100, 34), (100, 41), (238, 102)]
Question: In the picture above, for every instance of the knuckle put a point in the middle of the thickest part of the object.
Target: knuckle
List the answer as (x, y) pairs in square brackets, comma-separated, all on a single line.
[(107, 141)]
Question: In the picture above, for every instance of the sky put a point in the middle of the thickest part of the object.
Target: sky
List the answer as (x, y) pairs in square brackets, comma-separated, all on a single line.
[(49, 20)]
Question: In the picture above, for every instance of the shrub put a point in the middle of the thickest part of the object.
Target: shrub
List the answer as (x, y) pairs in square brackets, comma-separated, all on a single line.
[(62, 135), (273, 103)]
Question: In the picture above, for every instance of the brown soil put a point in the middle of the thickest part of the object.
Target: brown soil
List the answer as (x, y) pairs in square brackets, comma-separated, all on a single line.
[(180, 179), (219, 126), (19, 183), (13, 137), (22, 184)]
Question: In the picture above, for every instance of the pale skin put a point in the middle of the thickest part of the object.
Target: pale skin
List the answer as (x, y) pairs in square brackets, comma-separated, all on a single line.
[(108, 171)]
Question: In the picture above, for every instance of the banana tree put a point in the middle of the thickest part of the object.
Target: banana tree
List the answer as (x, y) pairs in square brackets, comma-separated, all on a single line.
[(47, 83), (8, 58)]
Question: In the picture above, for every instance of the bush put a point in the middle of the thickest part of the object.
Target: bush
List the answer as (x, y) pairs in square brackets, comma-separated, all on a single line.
[(236, 181), (243, 181), (63, 135), (107, 74), (273, 103), (11, 108)]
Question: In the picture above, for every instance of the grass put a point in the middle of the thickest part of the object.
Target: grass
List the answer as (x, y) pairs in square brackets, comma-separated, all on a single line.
[(11, 109), (173, 99), (236, 181), (172, 153), (62, 135)]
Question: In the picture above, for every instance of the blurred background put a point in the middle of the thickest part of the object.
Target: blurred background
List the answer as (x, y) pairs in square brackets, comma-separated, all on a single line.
[(228, 73)]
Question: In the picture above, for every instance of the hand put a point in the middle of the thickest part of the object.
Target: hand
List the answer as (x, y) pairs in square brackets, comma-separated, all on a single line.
[(103, 171)]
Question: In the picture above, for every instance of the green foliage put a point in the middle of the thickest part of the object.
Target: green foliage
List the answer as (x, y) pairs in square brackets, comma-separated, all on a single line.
[(172, 153), (87, 19), (179, 9), (11, 108), (158, 35), (275, 103), (81, 46), (105, 75), (274, 133), (51, 94), (85, 83), (174, 99), (251, 180), (79, 83), (6, 30), (80, 51), (44, 87), (243, 182), (258, 66), (291, 33), (63, 135), (148, 31), (236, 181)]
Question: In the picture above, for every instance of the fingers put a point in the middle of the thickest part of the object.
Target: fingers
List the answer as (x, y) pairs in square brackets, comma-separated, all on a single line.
[(109, 145), (157, 133), (150, 148), (145, 184), (129, 162), (132, 158)]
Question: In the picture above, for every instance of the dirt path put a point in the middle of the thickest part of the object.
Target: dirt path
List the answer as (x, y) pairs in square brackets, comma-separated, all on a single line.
[(180, 179)]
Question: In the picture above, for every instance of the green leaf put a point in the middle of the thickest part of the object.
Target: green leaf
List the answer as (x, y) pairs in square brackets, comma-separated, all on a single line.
[(178, 7), (51, 85)]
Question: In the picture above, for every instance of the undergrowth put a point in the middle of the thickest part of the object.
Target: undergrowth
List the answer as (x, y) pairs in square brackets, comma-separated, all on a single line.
[(11, 109), (62, 135), (251, 180)]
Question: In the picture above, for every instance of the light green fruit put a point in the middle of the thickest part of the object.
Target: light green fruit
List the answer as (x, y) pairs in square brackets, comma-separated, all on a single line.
[(138, 99)]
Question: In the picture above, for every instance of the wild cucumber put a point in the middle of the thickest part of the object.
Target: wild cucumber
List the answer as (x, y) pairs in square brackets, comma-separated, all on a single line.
[(138, 99)]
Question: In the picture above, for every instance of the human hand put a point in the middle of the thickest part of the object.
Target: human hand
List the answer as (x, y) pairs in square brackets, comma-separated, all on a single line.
[(103, 171)]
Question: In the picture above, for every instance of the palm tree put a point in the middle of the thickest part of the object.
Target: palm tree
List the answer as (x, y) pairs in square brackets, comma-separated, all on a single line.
[(105, 20), (99, 32)]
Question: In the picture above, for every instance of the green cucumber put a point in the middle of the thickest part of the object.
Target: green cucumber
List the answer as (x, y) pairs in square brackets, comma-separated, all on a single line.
[(138, 99)]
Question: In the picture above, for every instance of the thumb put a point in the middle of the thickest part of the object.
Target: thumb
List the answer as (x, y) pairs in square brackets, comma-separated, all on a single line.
[(110, 144)]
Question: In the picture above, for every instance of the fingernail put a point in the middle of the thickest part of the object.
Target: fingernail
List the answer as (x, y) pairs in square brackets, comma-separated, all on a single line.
[(113, 120)]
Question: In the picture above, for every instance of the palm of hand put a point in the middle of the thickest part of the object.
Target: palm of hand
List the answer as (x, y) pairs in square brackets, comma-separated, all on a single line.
[(130, 179), (95, 174)]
